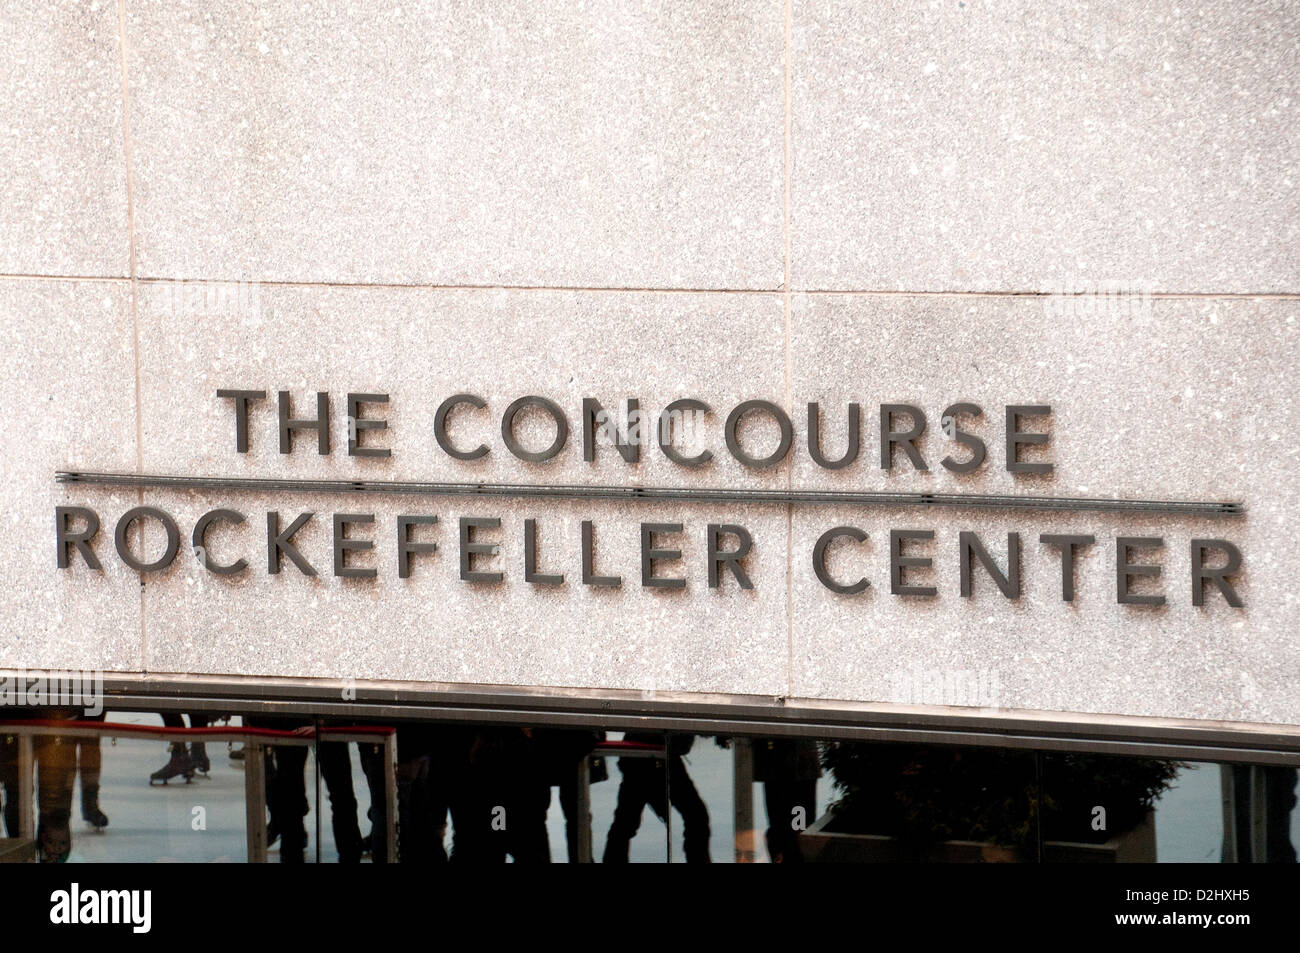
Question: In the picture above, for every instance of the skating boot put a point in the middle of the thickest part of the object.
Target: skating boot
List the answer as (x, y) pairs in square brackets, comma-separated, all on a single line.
[(178, 766), (90, 811), (199, 758)]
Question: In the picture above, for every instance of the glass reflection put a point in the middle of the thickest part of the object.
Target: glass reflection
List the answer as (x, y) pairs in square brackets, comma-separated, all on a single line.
[(1116, 809), (900, 802), (437, 792)]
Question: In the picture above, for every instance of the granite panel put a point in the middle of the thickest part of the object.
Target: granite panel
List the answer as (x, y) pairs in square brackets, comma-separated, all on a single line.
[(63, 201), (614, 144), (1020, 146)]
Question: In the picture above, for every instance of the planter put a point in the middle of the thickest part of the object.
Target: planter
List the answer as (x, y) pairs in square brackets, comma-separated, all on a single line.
[(819, 845)]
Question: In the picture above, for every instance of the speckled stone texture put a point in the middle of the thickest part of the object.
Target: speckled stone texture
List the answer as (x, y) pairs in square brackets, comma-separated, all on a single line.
[(607, 144), (999, 146), (433, 626), (422, 346), (63, 204), (70, 381), (1189, 402), (604, 200), (1195, 403)]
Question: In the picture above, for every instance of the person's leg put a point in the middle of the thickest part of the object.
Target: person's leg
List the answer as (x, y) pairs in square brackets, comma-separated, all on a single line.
[(415, 840), (782, 797), (289, 801), (695, 816), (56, 763), (199, 750), (9, 781), (178, 763), (479, 837), (336, 770), (634, 791), (572, 822), (1280, 802), (527, 838), (89, 764), (372, 765)]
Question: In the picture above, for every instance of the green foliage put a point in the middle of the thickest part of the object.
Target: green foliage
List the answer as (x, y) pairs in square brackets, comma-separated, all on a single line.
[(923, 795)]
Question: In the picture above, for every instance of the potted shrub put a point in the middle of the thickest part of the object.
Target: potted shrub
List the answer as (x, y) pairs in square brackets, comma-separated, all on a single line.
[(913, 803)]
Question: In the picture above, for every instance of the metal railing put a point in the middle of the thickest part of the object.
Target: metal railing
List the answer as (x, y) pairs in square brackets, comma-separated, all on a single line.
[(255, 741)]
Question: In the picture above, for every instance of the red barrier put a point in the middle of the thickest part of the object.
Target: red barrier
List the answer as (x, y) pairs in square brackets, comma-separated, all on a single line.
[(118, 728)]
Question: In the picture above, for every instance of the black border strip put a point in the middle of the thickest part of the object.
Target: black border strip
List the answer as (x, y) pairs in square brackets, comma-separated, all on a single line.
[(635, 493)]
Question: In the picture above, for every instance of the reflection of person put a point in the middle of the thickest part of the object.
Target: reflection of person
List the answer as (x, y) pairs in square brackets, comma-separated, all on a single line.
[(336, 768), (500, 808), (183, 763), (287, 793), (563, 750), (56, 762), (89, 761), (642, 784), (1282, 795), (430, 762), (56, 772), (789, 769), (9, 779), (373, 767)]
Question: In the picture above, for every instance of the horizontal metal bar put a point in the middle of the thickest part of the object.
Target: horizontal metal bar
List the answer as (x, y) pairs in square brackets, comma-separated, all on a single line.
[(645, 493), (757, 716), (72, 728)]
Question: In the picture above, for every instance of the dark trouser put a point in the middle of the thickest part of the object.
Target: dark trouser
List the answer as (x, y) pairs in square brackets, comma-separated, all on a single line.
[(56, 773), (89, 765), (372, 765), (9, 782), (643, 783), (572, 823), (422, 799), (89, 762), (781, 798), (336, 770), (287, 801), (56, 764), (498, 795), (506, 817)]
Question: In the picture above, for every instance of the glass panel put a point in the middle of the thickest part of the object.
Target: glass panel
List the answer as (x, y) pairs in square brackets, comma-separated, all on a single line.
[(694, 778), (1116, 809), (492, 793), (622, 827), (898, 802), (119, 798), (343, 791), (1102, 809), (790, 794), (739, 799)]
